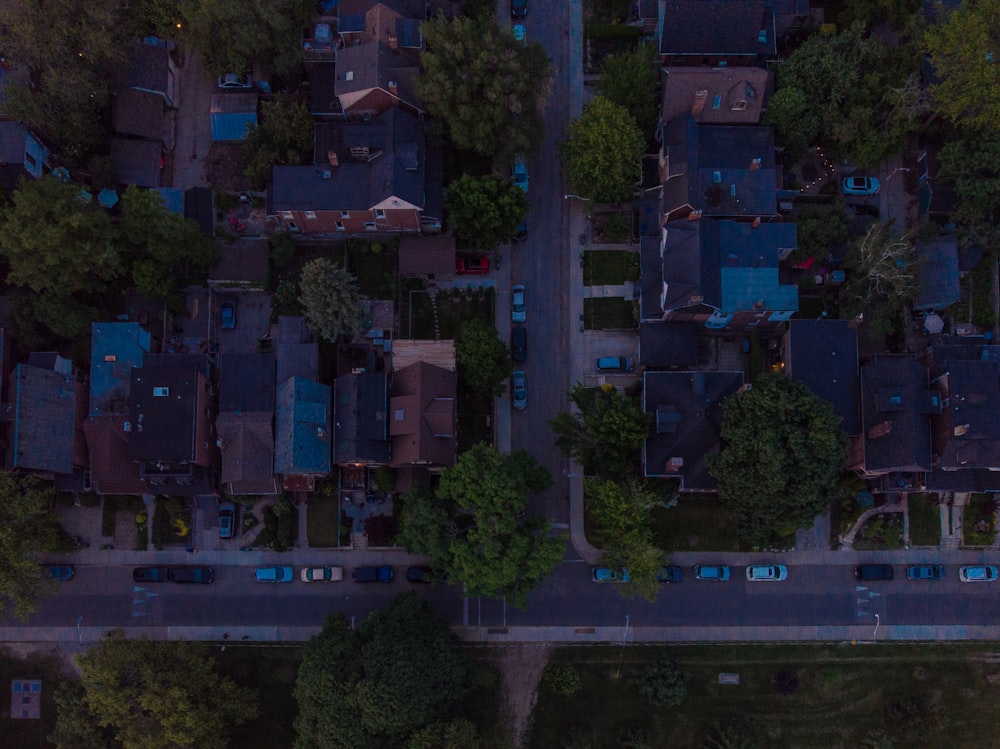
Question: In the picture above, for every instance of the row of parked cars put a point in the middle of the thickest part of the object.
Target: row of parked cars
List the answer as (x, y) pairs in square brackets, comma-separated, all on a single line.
[(279, 574), (758, 573), (975, 573)]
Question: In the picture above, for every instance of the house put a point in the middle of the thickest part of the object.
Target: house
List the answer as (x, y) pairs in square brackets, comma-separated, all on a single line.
[(423, 416), (722, 274), (360, 404), (137, 162), (716, 32), (302, 433), (686, 411), (245, 424), (716, 96), (939, 273), (172, 407), (48, 403), (232, 115), (367, 177), (823, 355), (22, 154), (296, 349), (725, 171), (151, 69), (141, 114), (430, 257)]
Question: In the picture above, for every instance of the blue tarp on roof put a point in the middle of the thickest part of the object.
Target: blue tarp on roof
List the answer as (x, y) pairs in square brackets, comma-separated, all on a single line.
[(232, 125), (172, 198)]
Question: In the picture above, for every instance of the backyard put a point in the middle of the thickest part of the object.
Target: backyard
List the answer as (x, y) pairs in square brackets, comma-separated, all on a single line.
[(453, 308), (827, 696)]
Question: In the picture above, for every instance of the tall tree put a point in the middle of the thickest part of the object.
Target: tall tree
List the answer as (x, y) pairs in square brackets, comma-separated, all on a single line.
[(965, 57), (782, 451), (483, 85), (603, 155), (331, 300), (76, 727), (28, 525), (629, 80), (161, 695), (485, 211), (426, 527), (484, 359), (401, 670), (498, 550), (283, 137), (884, 275), (605, 434)]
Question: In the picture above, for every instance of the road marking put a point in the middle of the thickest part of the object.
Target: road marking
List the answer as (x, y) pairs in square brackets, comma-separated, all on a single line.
[(137, 588)]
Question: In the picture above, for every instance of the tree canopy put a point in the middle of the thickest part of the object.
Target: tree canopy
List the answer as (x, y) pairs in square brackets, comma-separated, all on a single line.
[(629, 80), (782, 451), (605, 434), (28, 525), (483, 85), (485, 211), (331, 300), (603, 155), (883, 276), (161, 695), (398, 673), (484, 359), (284, 136)]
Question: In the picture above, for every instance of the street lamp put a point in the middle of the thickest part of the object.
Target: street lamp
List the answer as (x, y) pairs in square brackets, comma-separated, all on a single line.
[(79, 634), (876, 629), (578, 197)]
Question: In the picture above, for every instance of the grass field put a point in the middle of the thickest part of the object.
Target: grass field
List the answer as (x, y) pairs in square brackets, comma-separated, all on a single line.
[(694, 525), (607, 267), (609, 313), (915, 695), (925, 521), (322, 520)]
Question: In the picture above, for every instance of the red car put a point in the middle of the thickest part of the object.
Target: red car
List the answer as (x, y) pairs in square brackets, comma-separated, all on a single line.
[(472, 264)]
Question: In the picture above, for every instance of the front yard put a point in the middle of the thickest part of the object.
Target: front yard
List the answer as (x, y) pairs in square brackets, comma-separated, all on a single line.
[(979, 521), (610, 313), (694, 525), (609, 267), (925, 520)]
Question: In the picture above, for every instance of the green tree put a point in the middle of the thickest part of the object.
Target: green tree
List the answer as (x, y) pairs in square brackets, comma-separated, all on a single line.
[(962, 49), (782, 451), (28, 525), (629, 80), (161, 695), (795, 121), (426, 527), (401, 670), (498, 550), (663, 682), (459, 733), (605, 434), (330, 298), (883, 276), (76, 727), (485, 211), (283, 137), (603, 155), (484, 359), (483, 85), (731, 732), (819, 228), (972, 162)]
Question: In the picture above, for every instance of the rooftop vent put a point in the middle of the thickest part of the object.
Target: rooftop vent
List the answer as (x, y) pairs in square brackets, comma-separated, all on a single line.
[(162, 392)]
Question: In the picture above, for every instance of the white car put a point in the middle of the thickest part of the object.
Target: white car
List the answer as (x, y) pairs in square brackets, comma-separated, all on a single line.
[(322, 574), (766, 573), (981, 573), (517, 309)]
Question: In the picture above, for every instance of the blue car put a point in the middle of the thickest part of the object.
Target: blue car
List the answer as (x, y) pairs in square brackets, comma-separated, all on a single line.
[(670, 574), (608, 575), (276, 574), (60, 572), (925, 572), (719, 572)]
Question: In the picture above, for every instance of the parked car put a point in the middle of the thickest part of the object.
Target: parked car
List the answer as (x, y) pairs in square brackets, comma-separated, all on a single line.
[(380, 574), (521, 235), (670, 574), (520, 173), (868, 572), (150, 574), (228, 314), (718, 572), (925, 572), (859, 186), (235, 81), (273, 574), (615, 364), (227, 519), (200, 575), (518, 8), (518, 311), (472, 264), (608, 575), (430, 225), (322, 574), (519, 390), (981, 573), (519, 343), (419, 574), (60, 572), (519, 32), (765, 573)]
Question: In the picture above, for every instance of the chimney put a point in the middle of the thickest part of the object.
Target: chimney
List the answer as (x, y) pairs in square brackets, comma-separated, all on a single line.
[(331, 156), (393, 42), (674, 465), (393, 88), (756, 223), (700, 97), (694, 216), (880, 430)]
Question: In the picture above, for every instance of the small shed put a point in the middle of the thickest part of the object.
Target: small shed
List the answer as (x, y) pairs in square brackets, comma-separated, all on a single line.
[(26, 699), (939, 274), (232, 115)]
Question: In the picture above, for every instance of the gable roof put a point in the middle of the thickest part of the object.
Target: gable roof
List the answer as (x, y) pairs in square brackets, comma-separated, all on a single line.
[(969, 436), (423, 416), (139, 113), (939, 286), (115, 349), (431, 257), (823, 355), (148, 69), (719, 95), (44, 428), (296, 350), (896, 408), (302, 427), (668, 345), (699, 28), (112, 471), (199, 206), (247, 442), (376, 65), (137, 162), (246, 382), (360, 405), (687, 420)]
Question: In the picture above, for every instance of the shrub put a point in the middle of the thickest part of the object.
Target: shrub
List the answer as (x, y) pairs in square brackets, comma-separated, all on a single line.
[(562, 679), (663, 682), (380, 529), (385, 479), (617, 228)]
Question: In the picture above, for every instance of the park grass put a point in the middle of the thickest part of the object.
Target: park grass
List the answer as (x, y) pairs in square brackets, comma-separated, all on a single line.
[(609, 313), (981, 509), (322, 522), (925, 521), (845, 691), (606, 267), (700, 524)]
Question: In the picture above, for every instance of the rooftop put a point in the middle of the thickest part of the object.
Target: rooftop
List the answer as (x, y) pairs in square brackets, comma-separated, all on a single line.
[(823, 355)]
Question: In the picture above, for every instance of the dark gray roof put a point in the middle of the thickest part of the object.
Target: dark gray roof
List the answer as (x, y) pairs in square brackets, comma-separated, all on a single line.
[(137, 162), (717, 28), (162, 413), (687, 421), (896, 407), (360, 403), (139, 113), (246, 382), (296, 349), (377, 65), (408, 33), (971, 433), (12, 137), (668, 345), (968, 480), (199, 206), (823, 355), (148, 68), (43, 431), (939, 287), (322, 95)]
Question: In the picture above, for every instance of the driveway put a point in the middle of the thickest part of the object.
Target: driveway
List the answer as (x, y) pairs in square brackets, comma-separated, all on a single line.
[(193, 127)]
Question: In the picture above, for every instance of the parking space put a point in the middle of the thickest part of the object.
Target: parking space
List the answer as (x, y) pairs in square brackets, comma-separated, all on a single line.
[(598, 344), (250, 320)]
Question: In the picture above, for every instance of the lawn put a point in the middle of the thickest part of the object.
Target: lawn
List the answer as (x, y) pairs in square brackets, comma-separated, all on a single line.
[(925, 520), (917, 695), (608, 267), (609, 313), (978, 521), (322, 522), (454, 308), (376, 271), (883, 531), (271, 671), (694, 525), (24, 734)]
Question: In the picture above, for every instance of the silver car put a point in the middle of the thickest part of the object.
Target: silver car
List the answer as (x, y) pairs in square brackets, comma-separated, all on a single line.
[(520, 390)]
